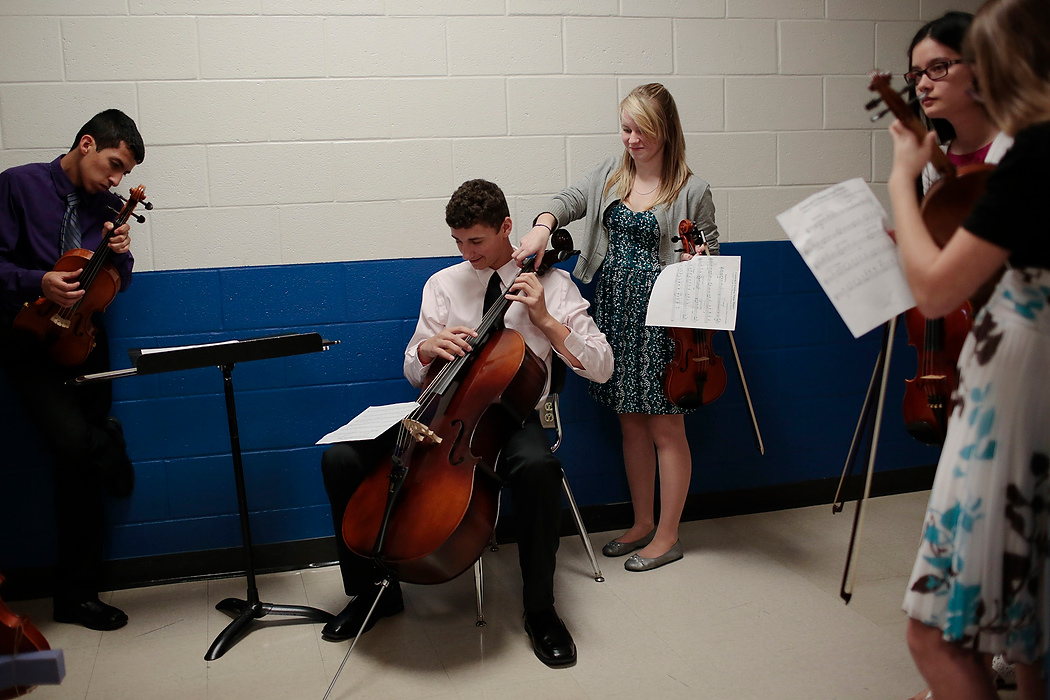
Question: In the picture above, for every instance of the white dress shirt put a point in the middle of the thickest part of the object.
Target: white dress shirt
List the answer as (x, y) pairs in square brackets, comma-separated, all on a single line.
[(455, 296)]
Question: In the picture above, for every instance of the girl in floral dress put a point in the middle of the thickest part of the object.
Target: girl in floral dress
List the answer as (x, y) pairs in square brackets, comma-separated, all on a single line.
[(630, 206), (979, 585)]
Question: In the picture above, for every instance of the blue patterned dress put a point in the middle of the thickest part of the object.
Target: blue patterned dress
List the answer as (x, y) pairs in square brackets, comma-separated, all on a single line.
[(981, 572), (641, 352)]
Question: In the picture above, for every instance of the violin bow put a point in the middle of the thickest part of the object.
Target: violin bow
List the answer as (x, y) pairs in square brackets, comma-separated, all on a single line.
[(879, 377), (684, 229), (880, 83)]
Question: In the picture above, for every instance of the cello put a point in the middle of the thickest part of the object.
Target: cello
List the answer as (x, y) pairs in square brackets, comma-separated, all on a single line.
[(426, 513), (695, 376), (68, 333)]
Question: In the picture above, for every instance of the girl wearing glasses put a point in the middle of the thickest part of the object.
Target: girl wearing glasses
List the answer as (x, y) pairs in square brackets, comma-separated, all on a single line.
[(980, 584), (944, 87)]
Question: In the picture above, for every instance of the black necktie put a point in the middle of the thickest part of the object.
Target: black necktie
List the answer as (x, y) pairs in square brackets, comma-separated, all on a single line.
[(494, 291), (492, 294)]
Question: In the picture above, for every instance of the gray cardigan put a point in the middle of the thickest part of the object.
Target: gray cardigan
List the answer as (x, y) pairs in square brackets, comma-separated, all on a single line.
[(693, 202)]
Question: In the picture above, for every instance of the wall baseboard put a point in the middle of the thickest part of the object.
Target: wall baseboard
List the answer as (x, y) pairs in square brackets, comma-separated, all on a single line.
[(35, 582)]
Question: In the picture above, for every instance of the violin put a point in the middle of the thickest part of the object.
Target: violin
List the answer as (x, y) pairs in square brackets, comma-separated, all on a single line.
[(427, 512), (937, 341), (949, 200), (68, 333), (17, 636), (695, 376)]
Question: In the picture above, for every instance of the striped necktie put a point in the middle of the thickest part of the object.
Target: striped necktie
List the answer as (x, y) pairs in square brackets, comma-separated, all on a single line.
[(70, 223)]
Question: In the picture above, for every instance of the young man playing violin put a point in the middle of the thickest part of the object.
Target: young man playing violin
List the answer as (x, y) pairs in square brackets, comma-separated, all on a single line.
[(47, 209), (552, 317)]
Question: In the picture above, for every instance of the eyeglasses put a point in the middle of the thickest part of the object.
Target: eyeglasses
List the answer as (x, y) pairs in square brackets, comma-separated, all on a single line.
[(934, 71)]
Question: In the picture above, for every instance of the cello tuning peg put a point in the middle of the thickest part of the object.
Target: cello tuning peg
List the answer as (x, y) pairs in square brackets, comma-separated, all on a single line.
[(148, 205), (875, 101), (676, 238), (139, 218)]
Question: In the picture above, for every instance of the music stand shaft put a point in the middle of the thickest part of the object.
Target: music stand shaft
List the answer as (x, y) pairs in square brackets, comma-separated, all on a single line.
[(251, 608)]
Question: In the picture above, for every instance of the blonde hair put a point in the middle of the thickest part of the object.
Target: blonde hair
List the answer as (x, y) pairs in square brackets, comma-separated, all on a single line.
[(1009, 42), (654, 111)]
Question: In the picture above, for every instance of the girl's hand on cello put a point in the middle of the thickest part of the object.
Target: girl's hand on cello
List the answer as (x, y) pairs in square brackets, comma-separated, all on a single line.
[(533, 243), (448, 344)]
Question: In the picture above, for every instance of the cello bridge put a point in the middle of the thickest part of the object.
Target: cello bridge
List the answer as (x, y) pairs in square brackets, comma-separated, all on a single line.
[(421, 432), (59, 321)]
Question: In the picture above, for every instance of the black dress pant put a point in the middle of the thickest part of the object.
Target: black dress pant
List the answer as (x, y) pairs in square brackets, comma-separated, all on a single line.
[(533, 477), (71, 421)]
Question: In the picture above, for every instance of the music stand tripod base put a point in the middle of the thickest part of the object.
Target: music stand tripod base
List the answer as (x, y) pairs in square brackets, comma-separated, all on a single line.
[(251, 608), (224, 355), (244, 611)]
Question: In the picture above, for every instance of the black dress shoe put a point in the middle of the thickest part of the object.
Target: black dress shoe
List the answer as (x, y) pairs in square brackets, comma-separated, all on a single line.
[(550, 639), (346, 624), (118, 474), (93, 614)]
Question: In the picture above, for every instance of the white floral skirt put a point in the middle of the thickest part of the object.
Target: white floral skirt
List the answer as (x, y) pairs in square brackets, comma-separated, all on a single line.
[(981, 574)]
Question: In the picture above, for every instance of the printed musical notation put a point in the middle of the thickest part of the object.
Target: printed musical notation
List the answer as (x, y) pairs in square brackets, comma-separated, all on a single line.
[(370, 423), (841, 234), (699, 293)]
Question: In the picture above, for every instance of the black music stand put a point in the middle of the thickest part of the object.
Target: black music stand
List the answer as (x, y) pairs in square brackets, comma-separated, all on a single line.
[(224, 355)]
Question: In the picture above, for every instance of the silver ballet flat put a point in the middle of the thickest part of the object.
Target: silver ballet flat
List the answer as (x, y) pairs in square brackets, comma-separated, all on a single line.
[(618, 549), (640, 563)]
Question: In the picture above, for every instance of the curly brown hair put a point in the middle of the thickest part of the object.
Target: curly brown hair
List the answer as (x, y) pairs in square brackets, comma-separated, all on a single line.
[(477, 202)]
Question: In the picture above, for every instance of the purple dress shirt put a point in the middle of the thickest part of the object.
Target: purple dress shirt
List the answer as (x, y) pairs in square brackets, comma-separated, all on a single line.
[(32, 202)]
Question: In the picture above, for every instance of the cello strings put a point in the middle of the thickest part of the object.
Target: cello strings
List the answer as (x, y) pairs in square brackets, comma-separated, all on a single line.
[(437, 386)]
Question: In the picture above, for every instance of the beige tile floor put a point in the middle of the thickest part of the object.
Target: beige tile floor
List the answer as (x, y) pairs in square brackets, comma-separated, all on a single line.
[(752, 611)]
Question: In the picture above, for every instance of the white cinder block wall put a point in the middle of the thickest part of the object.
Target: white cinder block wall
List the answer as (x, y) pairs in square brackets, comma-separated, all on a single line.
[(291, 131)]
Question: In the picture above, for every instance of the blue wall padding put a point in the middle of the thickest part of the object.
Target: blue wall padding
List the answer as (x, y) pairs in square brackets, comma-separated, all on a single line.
[(806, 373)]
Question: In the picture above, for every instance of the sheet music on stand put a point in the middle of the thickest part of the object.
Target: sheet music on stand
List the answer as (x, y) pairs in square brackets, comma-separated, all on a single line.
[(183, 357)]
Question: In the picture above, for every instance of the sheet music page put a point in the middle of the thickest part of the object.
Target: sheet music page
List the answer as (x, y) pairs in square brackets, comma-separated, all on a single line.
[(841, 234), (370, 423), (153, 351), (701, 292)]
